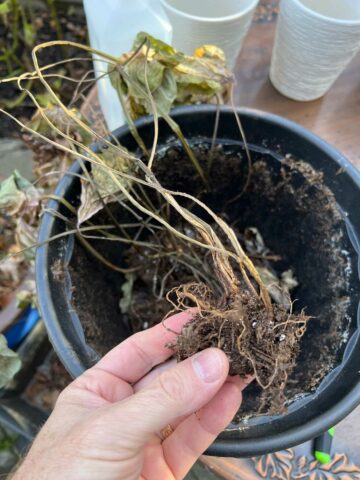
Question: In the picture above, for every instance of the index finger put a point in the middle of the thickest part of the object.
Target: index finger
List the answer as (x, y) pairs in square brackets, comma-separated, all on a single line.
[(138, 354)]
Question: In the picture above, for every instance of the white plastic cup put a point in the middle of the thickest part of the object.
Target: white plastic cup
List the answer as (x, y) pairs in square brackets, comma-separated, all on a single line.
[(113, 26), (223, 23), (315, 41)]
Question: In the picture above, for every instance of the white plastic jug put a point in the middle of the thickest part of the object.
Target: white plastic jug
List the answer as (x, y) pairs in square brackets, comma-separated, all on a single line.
[(113, 26)]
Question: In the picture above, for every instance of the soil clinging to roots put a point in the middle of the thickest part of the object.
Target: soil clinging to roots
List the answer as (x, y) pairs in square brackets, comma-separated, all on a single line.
[(256, 342)]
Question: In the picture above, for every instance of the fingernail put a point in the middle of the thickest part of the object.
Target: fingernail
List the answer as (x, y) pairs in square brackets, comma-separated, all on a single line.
[(208, 365)]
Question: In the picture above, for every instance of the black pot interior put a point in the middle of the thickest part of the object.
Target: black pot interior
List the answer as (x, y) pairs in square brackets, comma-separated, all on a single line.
[(301, 222)]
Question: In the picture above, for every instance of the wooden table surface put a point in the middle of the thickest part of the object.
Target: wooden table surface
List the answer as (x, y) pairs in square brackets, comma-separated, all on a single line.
[(335, 117)]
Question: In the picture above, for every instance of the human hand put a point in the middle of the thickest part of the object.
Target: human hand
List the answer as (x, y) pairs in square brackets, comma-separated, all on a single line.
[(107, 423)]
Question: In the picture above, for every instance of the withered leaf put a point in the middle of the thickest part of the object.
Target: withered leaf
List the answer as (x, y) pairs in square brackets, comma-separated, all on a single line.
[(10, 274), (15, 192), (279, 286), (103, 189), (10, 362), (64, 121), (27, 295), (173, 78), (278, 291), (26, 236), (158, 49)]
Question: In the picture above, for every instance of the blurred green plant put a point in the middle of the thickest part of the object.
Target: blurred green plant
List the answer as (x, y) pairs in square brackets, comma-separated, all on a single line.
[(7, 442), (19, 29)]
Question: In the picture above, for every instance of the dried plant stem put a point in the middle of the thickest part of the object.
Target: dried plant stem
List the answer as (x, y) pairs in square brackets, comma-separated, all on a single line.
[(165, 235)]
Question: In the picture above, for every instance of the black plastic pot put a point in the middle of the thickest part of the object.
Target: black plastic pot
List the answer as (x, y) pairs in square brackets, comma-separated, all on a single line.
[(339, 393)]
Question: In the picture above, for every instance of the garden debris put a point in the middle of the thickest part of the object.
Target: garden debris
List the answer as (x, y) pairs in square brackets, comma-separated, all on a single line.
[(103, 188), (279, 287), (10, 362), (20, 207), (50, 161), (172, 77), (47, 384)]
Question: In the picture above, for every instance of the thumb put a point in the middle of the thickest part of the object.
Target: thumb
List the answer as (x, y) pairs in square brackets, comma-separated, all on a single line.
[(176, 392)]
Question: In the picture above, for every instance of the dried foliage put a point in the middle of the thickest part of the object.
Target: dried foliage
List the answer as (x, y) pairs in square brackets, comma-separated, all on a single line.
[(50, 162), (20, 204), (171, 77), (9, 362), (238, 292)]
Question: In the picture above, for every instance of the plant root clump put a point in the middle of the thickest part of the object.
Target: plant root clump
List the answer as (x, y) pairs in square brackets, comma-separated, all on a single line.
[(258, 343)]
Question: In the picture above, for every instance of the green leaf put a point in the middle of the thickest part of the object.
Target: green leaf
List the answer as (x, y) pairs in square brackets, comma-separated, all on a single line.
[(5, 7), (161, 82), (116, 80), (10, 362), (8, 442), (162, 87), (44, 99), (29, 34)]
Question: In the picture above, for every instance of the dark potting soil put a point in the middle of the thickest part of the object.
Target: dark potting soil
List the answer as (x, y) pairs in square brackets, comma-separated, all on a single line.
[(299, 220), (96, 294)]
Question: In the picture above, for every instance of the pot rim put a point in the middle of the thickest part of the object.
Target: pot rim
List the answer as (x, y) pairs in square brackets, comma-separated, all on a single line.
[(233, 17), (77, 361)]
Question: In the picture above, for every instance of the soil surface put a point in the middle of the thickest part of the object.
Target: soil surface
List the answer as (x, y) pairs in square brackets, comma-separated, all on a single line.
[(299, 220), (99, 310)]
